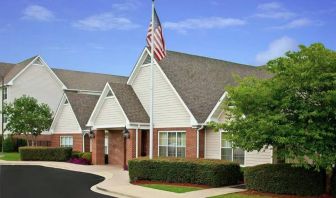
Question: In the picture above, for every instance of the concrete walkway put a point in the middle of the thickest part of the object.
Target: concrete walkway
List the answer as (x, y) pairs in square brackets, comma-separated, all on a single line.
[(117, 184)]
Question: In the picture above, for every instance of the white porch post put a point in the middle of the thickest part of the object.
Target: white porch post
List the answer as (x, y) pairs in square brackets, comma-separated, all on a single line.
[(136, 143)]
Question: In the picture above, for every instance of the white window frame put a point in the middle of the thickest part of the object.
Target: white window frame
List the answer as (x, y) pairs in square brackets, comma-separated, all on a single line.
[(66, 136), (4, 93), (221, 146), (185, 147)]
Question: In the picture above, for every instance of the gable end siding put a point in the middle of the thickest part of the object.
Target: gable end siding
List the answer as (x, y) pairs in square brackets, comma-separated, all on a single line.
[(67, 121), (168, 109), (37, 82), (110, 114)]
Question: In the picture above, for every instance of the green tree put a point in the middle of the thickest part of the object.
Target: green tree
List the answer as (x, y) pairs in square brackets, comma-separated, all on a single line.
[(293, 111), (27, 117)]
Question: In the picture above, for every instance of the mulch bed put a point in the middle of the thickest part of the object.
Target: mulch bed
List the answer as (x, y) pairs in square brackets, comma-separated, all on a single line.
[(141, 182), (251, 192)]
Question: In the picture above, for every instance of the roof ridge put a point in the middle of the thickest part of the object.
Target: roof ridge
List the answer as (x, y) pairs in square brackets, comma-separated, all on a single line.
[(211, 58), (87, 72)]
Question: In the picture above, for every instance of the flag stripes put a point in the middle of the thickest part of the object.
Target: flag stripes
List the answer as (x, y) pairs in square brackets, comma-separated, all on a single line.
[(159, 43)]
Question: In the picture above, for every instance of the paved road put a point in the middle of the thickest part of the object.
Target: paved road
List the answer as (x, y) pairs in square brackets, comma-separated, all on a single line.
[(43, 182)]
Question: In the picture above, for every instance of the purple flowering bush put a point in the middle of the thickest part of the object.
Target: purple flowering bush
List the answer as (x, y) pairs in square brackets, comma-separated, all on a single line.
[(80, 158)]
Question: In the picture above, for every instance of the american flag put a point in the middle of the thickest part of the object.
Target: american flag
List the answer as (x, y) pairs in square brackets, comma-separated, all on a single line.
[(159, 43)]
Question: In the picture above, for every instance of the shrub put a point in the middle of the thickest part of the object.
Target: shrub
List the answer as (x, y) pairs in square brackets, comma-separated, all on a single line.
[(208, 172), (84, 158), (285, 179), (87, 156), (45, 154), (8, 145), (333, 183)]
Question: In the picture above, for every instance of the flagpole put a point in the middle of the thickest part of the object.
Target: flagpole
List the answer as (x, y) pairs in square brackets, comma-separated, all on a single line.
[(151, 87)]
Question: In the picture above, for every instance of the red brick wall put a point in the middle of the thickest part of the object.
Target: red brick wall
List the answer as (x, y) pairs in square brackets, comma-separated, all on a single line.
[(98, 155), (191, 139), (77, 140), (116, 148)]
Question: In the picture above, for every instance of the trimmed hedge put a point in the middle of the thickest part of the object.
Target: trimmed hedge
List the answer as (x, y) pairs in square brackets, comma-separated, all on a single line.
[(333, 183), (207, 172), (285, 179), (45, 154)]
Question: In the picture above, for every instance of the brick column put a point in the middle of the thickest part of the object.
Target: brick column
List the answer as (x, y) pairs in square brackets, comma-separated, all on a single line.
[(131, 145), (201, 143), (191, 144), (98, 155)]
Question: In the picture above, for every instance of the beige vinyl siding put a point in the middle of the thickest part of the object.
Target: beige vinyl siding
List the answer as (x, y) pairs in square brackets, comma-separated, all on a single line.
[(36, 81), (110, 114), (212, 144), (255, 158), (66, 121), (168, 109)]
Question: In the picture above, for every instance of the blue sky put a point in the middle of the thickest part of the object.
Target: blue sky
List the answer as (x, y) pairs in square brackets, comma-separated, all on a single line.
[(107, 36)]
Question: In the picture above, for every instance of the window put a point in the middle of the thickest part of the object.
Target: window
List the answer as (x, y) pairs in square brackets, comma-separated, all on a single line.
[(231, 154), (4, 94), (172, 144), (66, 141)]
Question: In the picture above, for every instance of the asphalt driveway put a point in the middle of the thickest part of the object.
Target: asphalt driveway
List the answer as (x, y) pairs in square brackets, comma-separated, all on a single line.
[(42, 182)]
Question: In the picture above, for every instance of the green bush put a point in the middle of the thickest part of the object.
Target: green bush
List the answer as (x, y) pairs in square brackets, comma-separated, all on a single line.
[(9, 145), (333, 183), (87, 156), (285, 179), (45, 154), (19, 143), (208, 172), (84, 155)]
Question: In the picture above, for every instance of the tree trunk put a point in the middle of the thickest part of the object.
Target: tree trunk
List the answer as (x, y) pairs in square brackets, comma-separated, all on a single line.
[(27, 140)]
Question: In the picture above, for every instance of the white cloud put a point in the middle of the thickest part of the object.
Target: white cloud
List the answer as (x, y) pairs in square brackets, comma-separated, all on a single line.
[(270, 6), (204, 23), (127, 5), (273, 10), (104, 22), (38, 13), (276, 49), (297, 23)]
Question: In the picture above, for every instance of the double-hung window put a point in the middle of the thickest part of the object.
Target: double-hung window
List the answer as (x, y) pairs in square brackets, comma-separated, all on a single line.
[(231, 154), (172, 144), (4, 94), (66, 141)]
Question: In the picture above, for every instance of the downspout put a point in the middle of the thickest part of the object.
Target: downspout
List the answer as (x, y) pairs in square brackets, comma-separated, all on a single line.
[(198, 130)]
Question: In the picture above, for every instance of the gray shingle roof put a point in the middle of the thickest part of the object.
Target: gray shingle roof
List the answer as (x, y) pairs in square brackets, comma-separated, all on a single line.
[(201, 81), (16, 68), (85, 80), (130, 103), (82, 105), (5, 68)]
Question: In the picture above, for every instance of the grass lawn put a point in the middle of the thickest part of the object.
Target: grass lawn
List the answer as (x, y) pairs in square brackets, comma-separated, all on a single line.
[(11, 157), (240, 195), (172, 188)]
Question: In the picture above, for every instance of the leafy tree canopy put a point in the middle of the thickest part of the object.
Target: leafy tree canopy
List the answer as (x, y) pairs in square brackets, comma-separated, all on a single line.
[(27, 117), (294, 110)]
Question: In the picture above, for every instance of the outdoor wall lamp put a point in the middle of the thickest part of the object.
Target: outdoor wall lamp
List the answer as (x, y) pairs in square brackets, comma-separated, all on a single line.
[(91, 133), (125, 133)]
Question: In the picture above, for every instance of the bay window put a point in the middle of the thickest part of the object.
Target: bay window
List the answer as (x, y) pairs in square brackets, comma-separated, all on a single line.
[(172, 144)]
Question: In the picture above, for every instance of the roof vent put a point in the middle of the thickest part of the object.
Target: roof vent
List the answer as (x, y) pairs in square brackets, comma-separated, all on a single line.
[(38, 62), (109, 94), (66, 101), (147, 60)]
